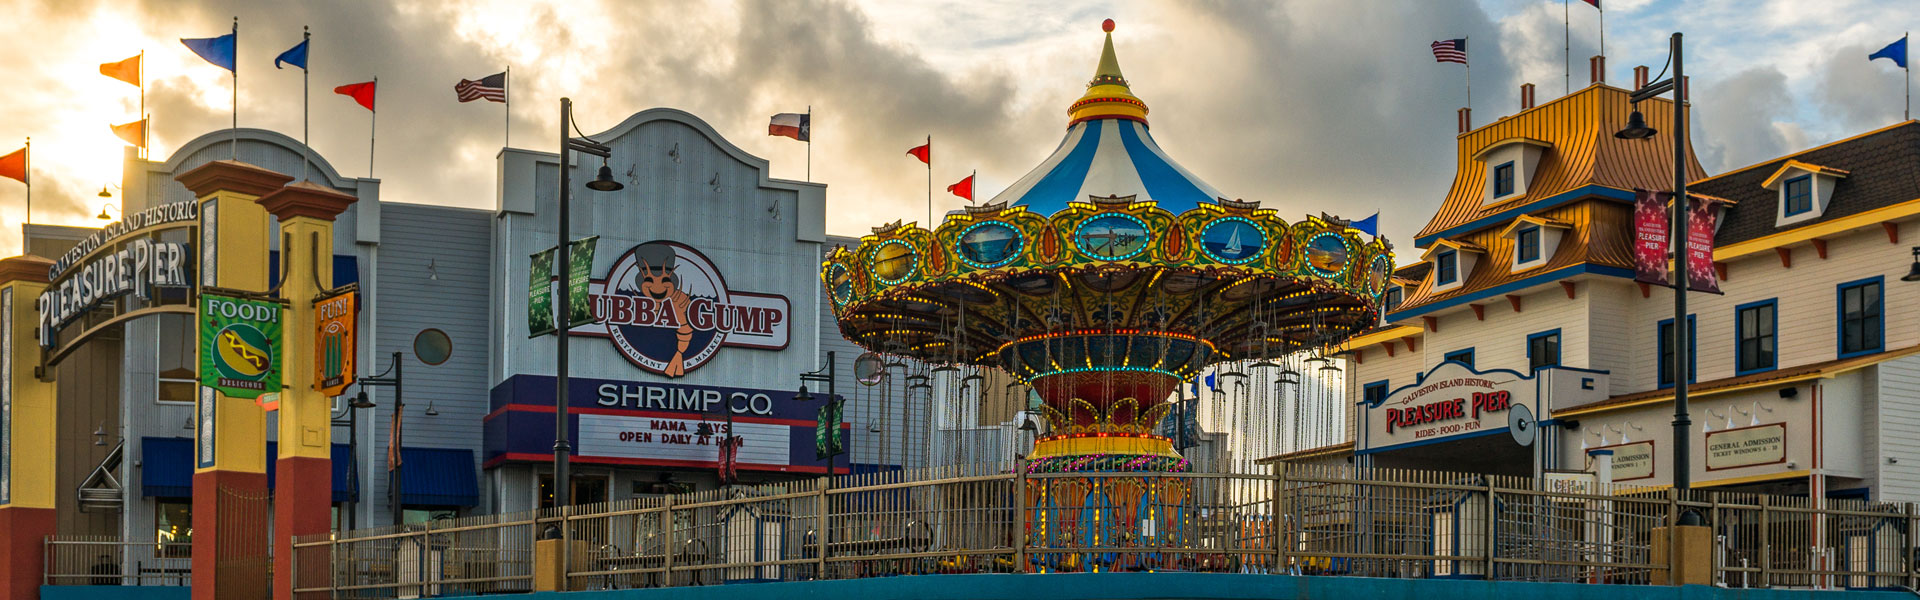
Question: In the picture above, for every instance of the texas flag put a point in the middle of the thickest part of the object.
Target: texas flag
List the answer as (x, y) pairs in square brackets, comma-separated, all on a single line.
[(798, 126)]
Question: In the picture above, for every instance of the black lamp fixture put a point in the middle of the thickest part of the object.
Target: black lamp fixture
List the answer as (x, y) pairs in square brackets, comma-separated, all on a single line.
[(1913, 272), (1637, 128), (103, 208), (803, 395), (603, 182), (360, 400), (104, 193)]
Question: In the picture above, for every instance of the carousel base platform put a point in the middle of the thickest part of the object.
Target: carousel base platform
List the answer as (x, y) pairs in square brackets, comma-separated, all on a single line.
[(1197, 586)]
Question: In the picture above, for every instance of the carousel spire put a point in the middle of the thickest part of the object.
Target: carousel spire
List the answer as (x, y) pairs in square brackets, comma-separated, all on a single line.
[(1107, 94)]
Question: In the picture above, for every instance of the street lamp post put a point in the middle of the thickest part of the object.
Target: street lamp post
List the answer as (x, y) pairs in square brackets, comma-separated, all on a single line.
[(825, 374), (399, 406), (603, 182), (1637, 129)]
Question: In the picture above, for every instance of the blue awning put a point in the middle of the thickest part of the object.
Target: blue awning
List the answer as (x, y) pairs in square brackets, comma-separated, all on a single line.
[(438, 477), (167, 470)]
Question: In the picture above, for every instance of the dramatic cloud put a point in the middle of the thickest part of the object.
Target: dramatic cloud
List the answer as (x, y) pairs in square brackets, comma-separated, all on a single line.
[(1307, 106)]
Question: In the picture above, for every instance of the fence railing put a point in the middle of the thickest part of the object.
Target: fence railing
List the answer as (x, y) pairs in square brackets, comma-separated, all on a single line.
[(105, 560), (1300, 519)]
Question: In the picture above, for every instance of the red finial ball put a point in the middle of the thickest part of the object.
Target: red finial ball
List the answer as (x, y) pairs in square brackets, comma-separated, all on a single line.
[(1107, 26)]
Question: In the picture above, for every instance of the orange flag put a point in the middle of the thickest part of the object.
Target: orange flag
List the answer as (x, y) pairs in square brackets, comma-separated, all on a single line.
[(127, 70), (134, 133), (15, 166)]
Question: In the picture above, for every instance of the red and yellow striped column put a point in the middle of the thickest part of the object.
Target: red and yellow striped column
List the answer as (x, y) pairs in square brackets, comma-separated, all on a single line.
[(230, 516), (27, 413), (303, 486)]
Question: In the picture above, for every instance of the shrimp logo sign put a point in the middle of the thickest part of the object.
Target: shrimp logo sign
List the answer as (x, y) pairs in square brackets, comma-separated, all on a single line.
[(666, 309), (239, 345)]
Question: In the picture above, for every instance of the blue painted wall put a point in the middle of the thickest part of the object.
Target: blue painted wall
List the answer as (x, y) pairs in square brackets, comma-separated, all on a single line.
[(1193, 586), (115, 592)]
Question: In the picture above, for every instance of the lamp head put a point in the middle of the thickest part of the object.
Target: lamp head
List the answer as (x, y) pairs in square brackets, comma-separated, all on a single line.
[(1913, 272), (105, 194), (360, 400), (802, 395), (604, 182), (1637, 128)]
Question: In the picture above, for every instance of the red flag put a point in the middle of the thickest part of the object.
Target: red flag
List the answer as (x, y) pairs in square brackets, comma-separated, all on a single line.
[(1595, 3), (15, 166), (360, 92), (127, 70), (924, 153), (964, 189)]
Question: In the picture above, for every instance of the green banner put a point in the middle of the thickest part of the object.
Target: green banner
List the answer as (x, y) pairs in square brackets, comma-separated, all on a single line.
[(540, 294), (240, 343), (579, 276), (826, 431)]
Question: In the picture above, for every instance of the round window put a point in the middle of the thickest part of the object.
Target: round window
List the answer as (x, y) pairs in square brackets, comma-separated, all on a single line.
[(432, 346)]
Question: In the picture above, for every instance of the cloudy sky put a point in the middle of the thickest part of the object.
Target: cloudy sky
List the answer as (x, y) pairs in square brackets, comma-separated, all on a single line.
[(1306, 105)]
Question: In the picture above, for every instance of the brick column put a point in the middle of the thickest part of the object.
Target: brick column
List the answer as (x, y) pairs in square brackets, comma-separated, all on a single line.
[(230, 520), (303, 485), (27, 415)]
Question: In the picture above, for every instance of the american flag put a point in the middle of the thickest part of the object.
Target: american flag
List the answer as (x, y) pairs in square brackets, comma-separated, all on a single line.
[(492, 87), (1454, 51)]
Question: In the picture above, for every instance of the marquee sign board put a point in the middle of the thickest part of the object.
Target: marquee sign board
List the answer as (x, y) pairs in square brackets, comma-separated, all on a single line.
[(1632, 460), (240, 342), (667, 309), (1452, 400), (1747, 446), (137, 267)]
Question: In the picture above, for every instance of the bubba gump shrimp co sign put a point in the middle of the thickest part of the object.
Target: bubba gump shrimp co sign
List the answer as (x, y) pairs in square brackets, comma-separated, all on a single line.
[(1451, 401)]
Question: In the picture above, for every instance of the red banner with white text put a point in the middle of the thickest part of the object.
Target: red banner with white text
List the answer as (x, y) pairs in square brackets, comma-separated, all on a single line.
[(1651, 251)]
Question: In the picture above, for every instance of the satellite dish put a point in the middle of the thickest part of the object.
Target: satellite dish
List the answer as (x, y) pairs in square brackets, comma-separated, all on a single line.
[(869, 369), (1520, 424)]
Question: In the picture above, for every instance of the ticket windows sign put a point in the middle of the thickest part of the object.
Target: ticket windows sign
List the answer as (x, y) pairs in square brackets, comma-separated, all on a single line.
[(1450, 401)]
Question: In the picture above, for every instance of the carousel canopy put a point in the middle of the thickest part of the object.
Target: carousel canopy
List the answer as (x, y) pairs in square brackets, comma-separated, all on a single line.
[(1107, 152)]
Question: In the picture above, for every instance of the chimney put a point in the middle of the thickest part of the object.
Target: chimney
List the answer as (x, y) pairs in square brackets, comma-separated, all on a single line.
[(1526, 96), (1639, 77), (1597, 68), (1466, 120)]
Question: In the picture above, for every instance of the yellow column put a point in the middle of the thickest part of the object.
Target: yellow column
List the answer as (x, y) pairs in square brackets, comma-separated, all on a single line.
[(27, 415), (230, 546), (303, 483)]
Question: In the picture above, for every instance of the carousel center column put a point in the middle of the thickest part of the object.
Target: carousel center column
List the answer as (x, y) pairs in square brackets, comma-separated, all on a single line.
[(231, 521), (26, 428), (303, 487)]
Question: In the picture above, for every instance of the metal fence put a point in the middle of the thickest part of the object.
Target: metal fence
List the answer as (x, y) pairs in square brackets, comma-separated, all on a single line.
[(106, 560), (1300, 519)]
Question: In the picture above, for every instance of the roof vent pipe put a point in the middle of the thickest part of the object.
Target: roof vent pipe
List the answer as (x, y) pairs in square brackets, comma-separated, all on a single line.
[(1526, 96), (1466, 120), (1597, 69), (1640, 77)]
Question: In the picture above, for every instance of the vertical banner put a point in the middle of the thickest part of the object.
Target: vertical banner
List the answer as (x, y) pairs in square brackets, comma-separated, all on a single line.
[(1702, 221), (826, 431), (239, 345), (1650, 232), (579, 277), (540, 294), (335, 321), (203, 445)]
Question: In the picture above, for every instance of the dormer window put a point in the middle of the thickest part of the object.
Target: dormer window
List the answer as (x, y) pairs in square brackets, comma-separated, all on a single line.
[(1805, 191), (1446, 268), (1534, 240), (1453, 262), (1509, 164), (1799, 195)]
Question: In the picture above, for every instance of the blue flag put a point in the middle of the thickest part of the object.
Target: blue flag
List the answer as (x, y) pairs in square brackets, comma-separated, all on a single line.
[(1896, 52), (218, 50), (1369, 225), (296, 56)]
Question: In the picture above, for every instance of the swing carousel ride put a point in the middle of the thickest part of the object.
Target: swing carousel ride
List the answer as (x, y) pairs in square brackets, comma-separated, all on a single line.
[(1104, 279)]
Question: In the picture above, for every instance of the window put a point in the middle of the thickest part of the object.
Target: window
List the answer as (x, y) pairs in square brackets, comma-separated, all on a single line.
[(1754, 326), (1460, 356), (1446, 268), (1374, 393), (1666, 353), (587, 489), (173, 527), (1503, 180), (177, 374), (1394, 294), (1799, 193), (1543, 350), (1528, 243), (1861, 322)]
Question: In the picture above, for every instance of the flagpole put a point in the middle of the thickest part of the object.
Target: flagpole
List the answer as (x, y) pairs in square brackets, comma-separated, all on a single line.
[(809, 143), (973, 185), (1469, 65), (1603, 31), (929, 182), (145, 124), (1909, 70), (506, 88), (1566, 60), (235, 131), (28, 171), (306, 103), (373, 121)]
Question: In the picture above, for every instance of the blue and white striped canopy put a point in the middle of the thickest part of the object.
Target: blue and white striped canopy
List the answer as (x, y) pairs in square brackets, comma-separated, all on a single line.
[(1108, 157)]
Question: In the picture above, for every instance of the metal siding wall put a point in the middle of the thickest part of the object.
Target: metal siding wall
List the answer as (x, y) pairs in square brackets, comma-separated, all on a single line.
[(457, 243), (1898, 419)]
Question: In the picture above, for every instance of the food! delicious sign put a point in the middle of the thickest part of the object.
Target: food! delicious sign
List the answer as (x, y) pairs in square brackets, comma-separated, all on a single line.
[(1451, 400)]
